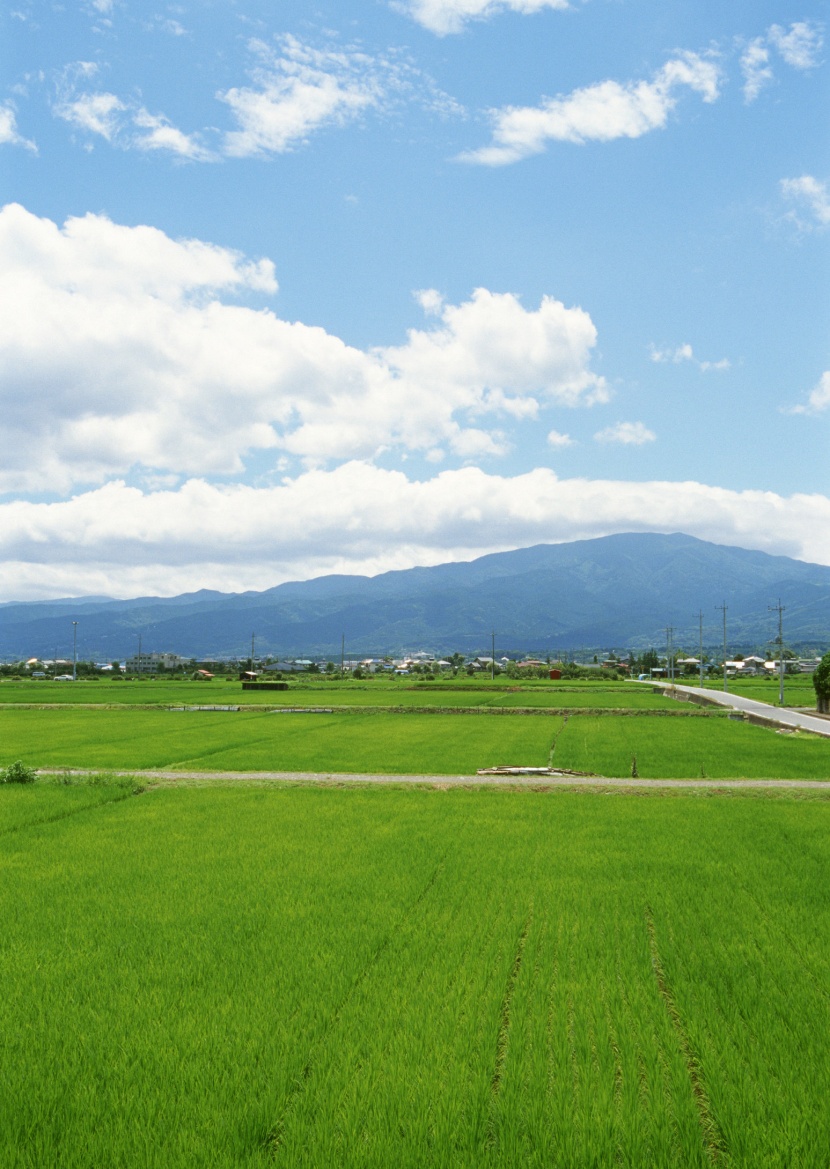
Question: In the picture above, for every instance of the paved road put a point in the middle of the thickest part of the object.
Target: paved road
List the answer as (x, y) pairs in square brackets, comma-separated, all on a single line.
[(793, 719), (169, 778)]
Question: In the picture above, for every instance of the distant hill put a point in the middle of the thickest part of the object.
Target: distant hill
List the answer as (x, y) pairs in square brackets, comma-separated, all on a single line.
[(615, 592)]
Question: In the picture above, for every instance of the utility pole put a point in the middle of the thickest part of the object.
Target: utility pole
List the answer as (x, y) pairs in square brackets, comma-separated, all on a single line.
[(74, 651), (669, 648), (342, 654), (700, 645), (779, 609), (253, 637), (493, 659), (723, 609), (140, 665)]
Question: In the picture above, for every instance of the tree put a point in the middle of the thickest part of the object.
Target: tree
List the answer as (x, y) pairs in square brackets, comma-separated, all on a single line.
[(821, 684), (649, 661)]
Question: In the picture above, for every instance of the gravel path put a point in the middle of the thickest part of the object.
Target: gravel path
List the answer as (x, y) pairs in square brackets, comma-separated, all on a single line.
[(171, 778)]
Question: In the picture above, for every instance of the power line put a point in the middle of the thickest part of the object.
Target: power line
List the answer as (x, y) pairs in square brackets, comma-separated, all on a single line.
[(700, 646), (723, 609), (669, 651), (779, 609)]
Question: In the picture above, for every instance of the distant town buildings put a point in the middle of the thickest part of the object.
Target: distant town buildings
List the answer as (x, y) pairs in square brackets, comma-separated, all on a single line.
[(150, 662)]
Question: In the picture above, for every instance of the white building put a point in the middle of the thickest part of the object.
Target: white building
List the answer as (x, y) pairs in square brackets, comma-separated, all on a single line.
[(149, 663)]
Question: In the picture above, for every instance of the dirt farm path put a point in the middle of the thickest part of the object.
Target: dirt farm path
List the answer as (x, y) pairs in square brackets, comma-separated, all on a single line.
[(170, 778)]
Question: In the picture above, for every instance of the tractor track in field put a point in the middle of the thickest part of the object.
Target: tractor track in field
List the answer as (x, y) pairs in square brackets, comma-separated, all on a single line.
[(713, 1138), (555, 779), (274, 1138)]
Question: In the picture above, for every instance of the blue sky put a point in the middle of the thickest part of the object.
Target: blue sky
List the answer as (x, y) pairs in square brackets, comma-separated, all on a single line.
[(296, 288)]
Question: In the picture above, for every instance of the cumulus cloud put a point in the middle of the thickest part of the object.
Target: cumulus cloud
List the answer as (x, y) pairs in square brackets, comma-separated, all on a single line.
[(556, 439), (626, 433), (9, 135), (117, 351), (450, 16), (799, 47), (810, 199), (819, 399), (685, 352), (361, 518), (598, 113)]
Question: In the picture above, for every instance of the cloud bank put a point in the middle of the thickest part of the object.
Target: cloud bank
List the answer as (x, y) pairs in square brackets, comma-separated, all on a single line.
[(361, 518)]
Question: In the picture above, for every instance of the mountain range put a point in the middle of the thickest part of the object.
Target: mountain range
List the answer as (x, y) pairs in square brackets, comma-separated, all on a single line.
[(616, 592)]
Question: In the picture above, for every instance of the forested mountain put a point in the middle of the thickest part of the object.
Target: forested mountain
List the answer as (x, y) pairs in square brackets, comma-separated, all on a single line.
[(614, 592)]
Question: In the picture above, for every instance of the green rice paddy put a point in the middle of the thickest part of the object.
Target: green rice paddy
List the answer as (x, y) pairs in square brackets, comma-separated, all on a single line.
[(279, 975), (686, 744), (262, 741), (284, 976), (689, 748)]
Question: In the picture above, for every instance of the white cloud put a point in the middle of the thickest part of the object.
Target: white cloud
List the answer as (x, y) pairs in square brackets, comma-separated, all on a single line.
[(555, 439), (811, 196), (9, 135), (599, 113), (297, 90), (430, 300), (755, 68), (819, 399), (116, 352), (685, 352), (97, 113), (627, 433), (800, 46), (162, 135), (681, 353), (360, 518), (121, 123), (450, 16)]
